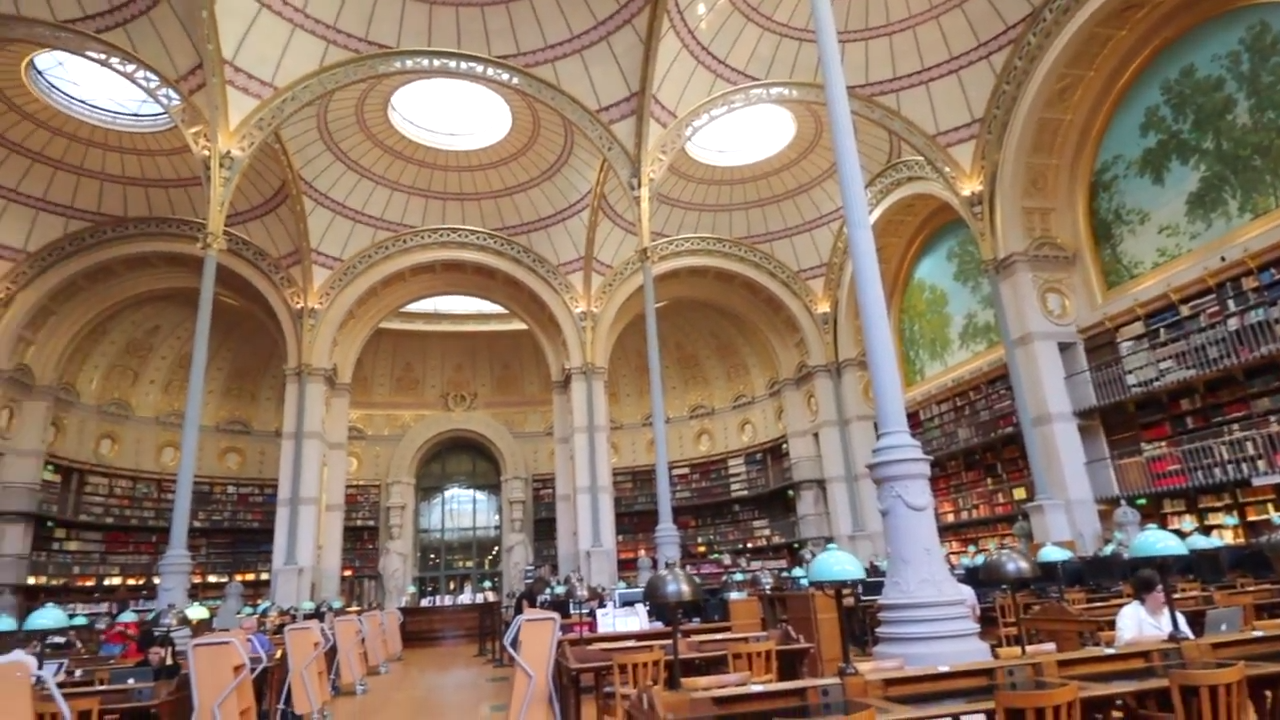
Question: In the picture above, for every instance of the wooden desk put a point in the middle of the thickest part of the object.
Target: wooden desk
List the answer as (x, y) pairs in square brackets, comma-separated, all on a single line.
[(444, 623), (686, 630), (824, 696)]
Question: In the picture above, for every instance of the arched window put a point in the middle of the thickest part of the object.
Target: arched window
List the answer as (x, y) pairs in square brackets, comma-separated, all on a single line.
[(459, 521)]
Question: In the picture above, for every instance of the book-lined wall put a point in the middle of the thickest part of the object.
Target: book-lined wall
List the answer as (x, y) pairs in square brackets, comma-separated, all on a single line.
[(740, 504), (980, 471), (360, 548), (1188, 398), (101, 528)]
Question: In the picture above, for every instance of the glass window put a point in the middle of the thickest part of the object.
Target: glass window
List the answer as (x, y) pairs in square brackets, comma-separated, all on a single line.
[(459, 521)]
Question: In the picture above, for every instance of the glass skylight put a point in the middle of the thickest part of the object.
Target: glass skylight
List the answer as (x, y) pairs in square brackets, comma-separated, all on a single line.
[(450, 114), (455, 305), (743, 136), (104, 90)]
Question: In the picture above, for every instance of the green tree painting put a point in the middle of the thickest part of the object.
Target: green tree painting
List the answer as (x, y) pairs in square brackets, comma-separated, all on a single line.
[(947, 313), (1193, 150)]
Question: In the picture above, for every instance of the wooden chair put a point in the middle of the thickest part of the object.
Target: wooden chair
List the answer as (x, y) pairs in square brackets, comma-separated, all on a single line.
[(758, 658), (1219, 694), (1266, 625), (631, 672), (1188, 586), (1242, 600), (1075, 596), (1006, 623), (82, 708), (1107, 637), (1009, 653), (1244, 582), (713, 682), (1062, 703)]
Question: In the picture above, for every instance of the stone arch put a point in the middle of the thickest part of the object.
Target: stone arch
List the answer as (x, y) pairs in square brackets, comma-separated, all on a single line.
[(706, 251), (341, 332), (261, 124), (38, 288), (186, 115)]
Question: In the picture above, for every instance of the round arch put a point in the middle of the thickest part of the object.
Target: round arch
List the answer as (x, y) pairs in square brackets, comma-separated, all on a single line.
[(676, 254), (36, 293), (432, 433), (186, 115), (346, 322), (268, 116)]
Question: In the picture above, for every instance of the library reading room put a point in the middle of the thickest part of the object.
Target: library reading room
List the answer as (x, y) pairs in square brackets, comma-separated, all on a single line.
[(639, 359)]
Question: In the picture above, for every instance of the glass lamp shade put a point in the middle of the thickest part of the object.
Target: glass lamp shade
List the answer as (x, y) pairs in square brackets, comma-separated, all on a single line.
[(270, 611), (79, 621), (487, 585), (966, 561), (835, 566), (196, 612), (49, 617), (559, 589), (263, 607), (1050, 553), (1196, 541), (8, 624), (307, 606), (337, 603), (739, 577), (621, 584), (1156, 542), (1230, 520), (672, 586), (1007, 565), (170, 619), (247, 610), (798, 572), (128, 616)]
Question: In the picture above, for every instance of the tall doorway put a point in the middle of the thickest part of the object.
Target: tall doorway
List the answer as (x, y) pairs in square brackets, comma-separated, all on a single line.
[(459, 520)]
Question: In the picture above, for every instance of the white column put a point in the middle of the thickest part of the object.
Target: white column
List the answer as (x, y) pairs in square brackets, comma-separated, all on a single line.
[(860, 437), (295, 552), (21, 469), (842, 507), (923, 617), (566, 517), (1064, 508), (806, 464), (333, 522), (593, 477)]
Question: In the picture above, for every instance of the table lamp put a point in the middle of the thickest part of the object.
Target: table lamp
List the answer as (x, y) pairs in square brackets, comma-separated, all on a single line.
[(1157, 545), (1006, 567), (1055, 557), (837, 571), (578, 594), (45, 620), (671, 588), (196, 612), (8, 623), (168, 620)]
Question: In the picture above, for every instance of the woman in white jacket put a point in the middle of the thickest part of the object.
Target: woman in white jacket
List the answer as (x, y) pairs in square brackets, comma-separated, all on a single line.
[(1147, 618)]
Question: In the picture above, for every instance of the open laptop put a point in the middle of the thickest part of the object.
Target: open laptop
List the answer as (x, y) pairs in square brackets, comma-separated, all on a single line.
[(131, 676), (1224, 620)]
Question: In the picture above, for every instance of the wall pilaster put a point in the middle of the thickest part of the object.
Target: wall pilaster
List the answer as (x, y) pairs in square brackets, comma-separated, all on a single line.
[(597, 536), (333, 518), (566, 508), (21, 469), (295, 551)]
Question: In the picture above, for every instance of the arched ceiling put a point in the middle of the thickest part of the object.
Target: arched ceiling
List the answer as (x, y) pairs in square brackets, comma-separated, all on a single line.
[(637, 65), (710, 357)]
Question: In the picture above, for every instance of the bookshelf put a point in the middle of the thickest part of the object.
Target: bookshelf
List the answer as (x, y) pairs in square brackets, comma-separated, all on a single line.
[(1188, 398), (738, 503), (102, 529), (980, 470), (361, 525), (544, 519)]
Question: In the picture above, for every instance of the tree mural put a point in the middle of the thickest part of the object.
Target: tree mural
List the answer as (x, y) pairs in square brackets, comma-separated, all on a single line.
[(947, 312), (1207, 147)]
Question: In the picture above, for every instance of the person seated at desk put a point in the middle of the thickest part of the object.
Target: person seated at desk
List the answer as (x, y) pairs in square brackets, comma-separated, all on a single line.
[(259, 643), (1146, 619), (160, 658)]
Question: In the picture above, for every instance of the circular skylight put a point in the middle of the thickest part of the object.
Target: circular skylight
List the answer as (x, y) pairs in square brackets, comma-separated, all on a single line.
[(455, 305), (103, 90), (743, 136), (450, 114)]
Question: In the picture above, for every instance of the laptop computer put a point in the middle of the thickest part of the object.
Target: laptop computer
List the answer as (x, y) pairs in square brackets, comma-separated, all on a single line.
[(1224, 620), (130, 676)]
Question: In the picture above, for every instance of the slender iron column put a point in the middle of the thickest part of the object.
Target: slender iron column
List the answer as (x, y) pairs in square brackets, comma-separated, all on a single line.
[(923, 618), (175, 565), (666, 537)]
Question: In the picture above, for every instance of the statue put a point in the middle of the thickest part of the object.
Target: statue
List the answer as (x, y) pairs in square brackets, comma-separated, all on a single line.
[(392, 566), (1127, 522), (228, 617), (517, 553), (644, 569), (1022, 534)]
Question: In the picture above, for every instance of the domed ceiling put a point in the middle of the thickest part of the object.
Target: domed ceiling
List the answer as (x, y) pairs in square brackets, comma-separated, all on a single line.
[(591, 88)]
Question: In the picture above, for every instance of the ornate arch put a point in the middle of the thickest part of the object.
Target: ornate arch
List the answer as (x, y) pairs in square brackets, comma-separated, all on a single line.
[(434, 431), (708, 251), (268, 116), (561, 336), (186, 115), (36, 288)]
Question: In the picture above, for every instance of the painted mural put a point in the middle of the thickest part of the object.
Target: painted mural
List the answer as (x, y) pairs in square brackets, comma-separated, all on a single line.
[(1193, 148), (947, 314)]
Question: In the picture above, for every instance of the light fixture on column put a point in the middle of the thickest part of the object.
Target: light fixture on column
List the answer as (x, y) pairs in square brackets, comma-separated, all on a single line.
[(839, 572), (671, 589)]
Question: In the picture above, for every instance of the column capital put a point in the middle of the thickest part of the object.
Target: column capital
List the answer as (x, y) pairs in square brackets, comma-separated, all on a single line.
[(307, 372), (342, 390), (586, 370), (1044, 253), (212, 241)]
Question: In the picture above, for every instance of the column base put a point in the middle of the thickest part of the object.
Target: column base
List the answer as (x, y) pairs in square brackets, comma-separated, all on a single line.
[(291, 585), (600, 567), (174, 568), (928, 631), (666, 545)]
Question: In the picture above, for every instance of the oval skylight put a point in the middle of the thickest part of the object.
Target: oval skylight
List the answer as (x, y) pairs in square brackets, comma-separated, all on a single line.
[(450, 114), (743, 136), (103, 90), (455, 305)]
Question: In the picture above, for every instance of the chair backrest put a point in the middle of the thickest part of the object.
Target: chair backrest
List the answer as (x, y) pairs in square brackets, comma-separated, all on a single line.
[(1218, 693), (1005, 614), (640, 670), (1060, 703), (758, 658), (1075, 596), (82, 708)]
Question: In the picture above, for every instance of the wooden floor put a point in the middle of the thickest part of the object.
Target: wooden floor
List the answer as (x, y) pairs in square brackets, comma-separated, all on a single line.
[(439, 682)]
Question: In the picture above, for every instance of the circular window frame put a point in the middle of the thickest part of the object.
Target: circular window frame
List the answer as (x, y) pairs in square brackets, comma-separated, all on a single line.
[(751, 150), (483, 98), (153, 87)]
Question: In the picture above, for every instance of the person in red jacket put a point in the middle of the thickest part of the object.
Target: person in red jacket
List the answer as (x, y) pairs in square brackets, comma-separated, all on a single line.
[(120, 638)]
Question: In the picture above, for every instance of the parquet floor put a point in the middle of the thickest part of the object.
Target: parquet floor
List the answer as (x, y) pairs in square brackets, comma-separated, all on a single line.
[(437, 682)]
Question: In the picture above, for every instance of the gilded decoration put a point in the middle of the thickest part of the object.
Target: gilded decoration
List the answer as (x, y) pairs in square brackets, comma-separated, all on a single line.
[(168, 455), (8, 416), (232, 458), (1053, 296), (747, 432), (106, 446), (703, 440)]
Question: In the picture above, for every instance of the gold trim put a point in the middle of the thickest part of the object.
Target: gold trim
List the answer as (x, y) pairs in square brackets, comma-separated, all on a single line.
[(747, 431), (177, 454), (8, 416), (1092, 120), (1064, 316), (354, 462), (111, 451), (225, 454)]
